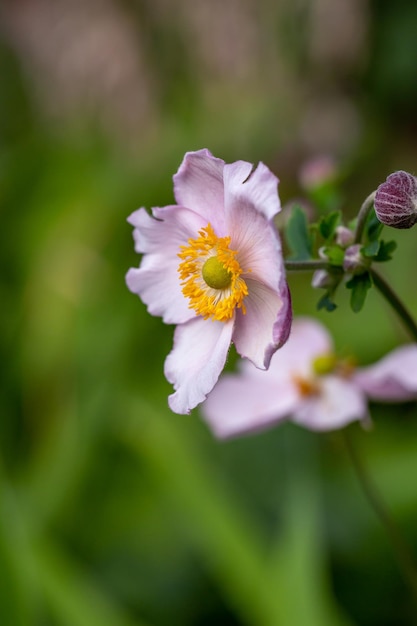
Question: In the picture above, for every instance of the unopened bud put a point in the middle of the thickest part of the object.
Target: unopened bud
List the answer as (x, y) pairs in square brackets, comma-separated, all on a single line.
[(354, 261), (396, 200), (344, 236), (322, 278)]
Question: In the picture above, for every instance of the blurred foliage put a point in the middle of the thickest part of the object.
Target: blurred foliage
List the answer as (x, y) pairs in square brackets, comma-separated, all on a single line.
[(114, 511)]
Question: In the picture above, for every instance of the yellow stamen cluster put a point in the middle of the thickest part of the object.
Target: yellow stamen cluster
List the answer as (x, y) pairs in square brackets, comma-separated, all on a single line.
[(306, 386), (211, 276)]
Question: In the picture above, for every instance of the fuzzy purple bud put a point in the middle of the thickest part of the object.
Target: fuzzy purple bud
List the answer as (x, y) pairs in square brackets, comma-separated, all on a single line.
[(396, 200), (344, 236), (322, 278), (354, 262)]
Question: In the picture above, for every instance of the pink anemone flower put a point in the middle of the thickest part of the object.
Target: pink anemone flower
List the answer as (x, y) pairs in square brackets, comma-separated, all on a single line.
[(212, 264), (305, 383)]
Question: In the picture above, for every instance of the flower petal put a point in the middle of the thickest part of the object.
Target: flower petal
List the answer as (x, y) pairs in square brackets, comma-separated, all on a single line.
[(157, 281), (265, 326), (338, 403), (260, 256), (196, 361), (257, 190), (198, 185), (241, 404), (258, 245), (308, 340), (393, 378)]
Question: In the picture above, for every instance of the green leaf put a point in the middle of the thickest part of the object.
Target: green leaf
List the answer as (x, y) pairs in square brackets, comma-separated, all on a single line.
[(373, 227), (326, 303), (297, 235), (385, 251), (329, 223), (359, 285), (372, 249), (335, 254)]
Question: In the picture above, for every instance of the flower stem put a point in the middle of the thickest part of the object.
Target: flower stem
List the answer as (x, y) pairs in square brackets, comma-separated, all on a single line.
[(400, 548), (363, 216), (315, 264), (395, 302)]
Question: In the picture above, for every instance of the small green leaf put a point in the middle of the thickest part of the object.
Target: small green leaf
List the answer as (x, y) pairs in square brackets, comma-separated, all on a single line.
[(359, 285), (297, 235), (329, 223), (335, 254), (326, 303), (372, 249), (385, 251)]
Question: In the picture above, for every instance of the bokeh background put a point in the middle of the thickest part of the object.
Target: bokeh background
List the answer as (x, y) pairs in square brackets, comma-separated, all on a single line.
[(115, 512)]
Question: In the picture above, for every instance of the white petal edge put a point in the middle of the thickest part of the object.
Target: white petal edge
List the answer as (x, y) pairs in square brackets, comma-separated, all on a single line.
[(199, 186), (256, 188), (265, 325), (196, 361), (157, 281)]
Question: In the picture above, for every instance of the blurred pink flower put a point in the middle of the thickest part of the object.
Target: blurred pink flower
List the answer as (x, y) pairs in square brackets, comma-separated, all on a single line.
[(304, 383), (393, 378), (317, 171), (212, 264)]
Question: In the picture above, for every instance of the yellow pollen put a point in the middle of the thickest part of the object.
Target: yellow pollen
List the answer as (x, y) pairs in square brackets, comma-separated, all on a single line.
[(210, 276), (306, 386)]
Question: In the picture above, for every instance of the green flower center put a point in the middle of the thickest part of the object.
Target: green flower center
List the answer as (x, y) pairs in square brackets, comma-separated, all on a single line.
[(324, 364), (215, 274)]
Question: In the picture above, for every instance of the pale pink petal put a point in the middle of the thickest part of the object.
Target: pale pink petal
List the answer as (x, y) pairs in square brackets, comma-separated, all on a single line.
[(338, 403), (198, 185), (164, 233), (253, 398), (260, 256), (254, 335), (258, 192), (308, 340), (157, 280), (265, 326), (242, 404), (258, 245), (196, 361), (393, 378), (161, 294), (252, 234)]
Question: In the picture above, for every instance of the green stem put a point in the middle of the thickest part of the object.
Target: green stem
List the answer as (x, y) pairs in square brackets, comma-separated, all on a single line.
[(379, 282), (316, 264), (395, 302), (400, 548), (363, 216)]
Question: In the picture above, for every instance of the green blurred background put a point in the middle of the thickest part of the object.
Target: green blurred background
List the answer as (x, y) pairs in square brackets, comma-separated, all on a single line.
[(115, 512)]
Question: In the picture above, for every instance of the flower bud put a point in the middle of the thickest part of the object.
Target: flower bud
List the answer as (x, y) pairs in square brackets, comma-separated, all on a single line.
[(344, 236), (396, 200), (354, 262), (322, 278)]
